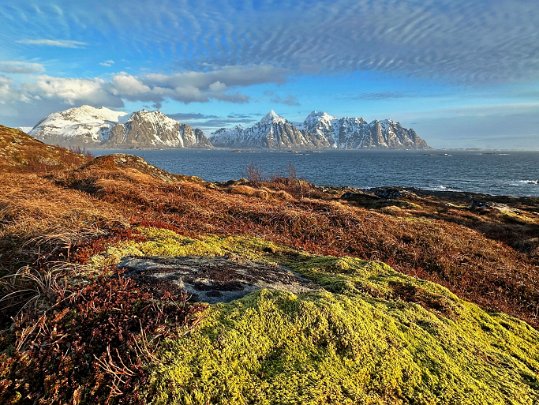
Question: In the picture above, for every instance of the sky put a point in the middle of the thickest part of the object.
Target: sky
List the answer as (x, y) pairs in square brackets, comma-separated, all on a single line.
[(462, 73)]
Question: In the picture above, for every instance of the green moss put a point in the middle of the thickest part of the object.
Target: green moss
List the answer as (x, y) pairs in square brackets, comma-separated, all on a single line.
[(369, 335), (326, 348), (162, 242)]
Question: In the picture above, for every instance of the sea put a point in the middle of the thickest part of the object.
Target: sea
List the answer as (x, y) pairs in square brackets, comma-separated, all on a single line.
[(496, 173)]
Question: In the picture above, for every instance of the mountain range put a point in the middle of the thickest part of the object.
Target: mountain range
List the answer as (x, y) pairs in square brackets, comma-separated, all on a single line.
[(101, 127), (319, 131)]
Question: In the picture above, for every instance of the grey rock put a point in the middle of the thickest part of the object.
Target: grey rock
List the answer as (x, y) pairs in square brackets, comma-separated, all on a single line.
[(213, 279)]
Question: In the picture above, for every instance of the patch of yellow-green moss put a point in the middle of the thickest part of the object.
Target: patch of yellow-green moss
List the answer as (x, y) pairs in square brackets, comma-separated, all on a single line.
[(333, 348), (162, 242), (369, 335)]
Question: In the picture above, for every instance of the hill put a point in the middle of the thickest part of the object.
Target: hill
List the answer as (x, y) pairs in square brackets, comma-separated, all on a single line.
[(296, 292), (20, 151)]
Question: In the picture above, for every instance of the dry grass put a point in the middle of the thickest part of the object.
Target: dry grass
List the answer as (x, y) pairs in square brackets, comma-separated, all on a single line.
[(41, 220)]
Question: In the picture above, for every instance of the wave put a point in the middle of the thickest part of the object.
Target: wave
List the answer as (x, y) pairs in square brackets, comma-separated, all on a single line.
[(441, 187), (533, 182)]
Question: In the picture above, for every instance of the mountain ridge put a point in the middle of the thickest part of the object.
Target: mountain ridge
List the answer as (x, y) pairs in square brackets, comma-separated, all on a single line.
[(319, 130)]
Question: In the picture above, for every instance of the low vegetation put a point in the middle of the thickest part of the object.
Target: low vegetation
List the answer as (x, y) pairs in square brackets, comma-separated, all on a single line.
[(418, 298)]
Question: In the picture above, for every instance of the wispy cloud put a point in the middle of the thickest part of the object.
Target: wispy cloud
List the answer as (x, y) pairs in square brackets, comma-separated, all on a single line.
[(107, 63), (217, 123), (242, 116), (5, 89), (16, 66), (59, 43), (383, 95)]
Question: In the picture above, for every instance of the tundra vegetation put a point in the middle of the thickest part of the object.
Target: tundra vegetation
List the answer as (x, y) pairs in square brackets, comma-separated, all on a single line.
[(410, 297)]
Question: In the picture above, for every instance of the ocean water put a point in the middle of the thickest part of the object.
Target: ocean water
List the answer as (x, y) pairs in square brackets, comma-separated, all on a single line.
[(499, 173)]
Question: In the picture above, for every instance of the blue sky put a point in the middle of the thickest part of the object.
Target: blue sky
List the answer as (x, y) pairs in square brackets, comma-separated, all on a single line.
[(462, 73)]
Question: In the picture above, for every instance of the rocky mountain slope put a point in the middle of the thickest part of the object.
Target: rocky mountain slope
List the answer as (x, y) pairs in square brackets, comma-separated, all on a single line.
[(356, 133), (320, 130), (101, 127), (153, 129), (272, 132)]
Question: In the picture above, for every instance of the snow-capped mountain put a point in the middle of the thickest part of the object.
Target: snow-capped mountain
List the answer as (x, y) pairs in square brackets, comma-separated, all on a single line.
[(356, 133), (101, 127), (319, 130), (272, 132), (83, 125), (153, 129)]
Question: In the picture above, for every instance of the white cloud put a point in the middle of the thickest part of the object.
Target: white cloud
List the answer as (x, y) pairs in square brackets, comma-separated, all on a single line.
[(107, 63), (191, 86), (71, 91), (16, 66), (125, 85), (60, 43), (48, 93), (217, 86)]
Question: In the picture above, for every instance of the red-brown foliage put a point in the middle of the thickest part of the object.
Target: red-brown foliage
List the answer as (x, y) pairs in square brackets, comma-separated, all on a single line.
[(92, 346)]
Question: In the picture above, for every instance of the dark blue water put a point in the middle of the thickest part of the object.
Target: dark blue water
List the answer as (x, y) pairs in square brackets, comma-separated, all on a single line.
[(511, 173)]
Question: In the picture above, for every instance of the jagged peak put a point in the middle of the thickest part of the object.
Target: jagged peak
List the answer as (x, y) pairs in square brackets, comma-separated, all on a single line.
[(152, 116), (319, 116), (385, 122), (145, 112), (272, 118)]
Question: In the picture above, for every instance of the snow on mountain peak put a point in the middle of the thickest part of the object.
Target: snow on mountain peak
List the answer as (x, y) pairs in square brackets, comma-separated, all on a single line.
[(272, 118), (154, 117), (318, 116), (85, 124), (87, 113)]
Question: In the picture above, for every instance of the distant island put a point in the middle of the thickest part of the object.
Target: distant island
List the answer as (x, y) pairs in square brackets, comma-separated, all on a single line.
[(92, 127)]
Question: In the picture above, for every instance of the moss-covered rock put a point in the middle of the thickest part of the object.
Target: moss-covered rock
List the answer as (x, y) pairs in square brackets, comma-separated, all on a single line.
[(369, 335)]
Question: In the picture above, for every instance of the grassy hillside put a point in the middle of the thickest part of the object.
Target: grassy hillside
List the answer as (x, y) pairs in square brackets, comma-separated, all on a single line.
[(415, 298)]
